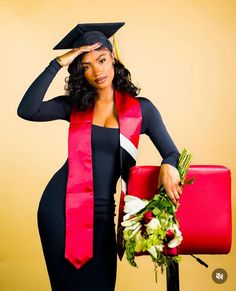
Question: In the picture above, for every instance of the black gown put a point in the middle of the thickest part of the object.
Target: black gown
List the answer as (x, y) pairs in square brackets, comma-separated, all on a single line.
[(100, 272)]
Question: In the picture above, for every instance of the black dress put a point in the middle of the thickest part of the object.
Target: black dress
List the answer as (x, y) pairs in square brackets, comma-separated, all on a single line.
[(100, 272)]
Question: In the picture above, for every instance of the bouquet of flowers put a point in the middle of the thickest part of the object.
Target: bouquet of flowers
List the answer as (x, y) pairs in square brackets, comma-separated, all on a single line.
[(151, 226)]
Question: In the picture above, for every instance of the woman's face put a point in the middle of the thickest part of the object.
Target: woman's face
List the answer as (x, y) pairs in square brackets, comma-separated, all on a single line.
[(98, 68)]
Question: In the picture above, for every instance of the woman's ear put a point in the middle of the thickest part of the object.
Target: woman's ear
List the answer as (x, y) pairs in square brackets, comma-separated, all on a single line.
[(113, 57)]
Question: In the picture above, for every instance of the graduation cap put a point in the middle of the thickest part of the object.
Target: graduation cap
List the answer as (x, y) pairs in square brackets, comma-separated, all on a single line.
[(90, 33)]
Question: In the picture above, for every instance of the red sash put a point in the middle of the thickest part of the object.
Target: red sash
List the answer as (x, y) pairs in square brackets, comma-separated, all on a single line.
[(79, 202)]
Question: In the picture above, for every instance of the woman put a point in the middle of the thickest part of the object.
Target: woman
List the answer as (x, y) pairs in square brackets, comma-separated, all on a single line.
[(95, 77)]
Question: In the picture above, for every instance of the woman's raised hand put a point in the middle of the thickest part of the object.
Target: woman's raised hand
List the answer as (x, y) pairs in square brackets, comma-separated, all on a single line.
[(170, 179), (68, 57)]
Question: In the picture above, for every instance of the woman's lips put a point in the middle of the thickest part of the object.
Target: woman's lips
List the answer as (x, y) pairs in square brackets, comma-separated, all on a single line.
[(100, 80)]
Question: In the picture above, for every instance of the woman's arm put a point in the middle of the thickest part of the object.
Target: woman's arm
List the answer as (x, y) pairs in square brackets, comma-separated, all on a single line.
[(33, 108), (154, 127)]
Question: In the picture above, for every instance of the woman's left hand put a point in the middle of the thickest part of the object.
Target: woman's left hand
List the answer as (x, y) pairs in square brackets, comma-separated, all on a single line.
[(170, 179)]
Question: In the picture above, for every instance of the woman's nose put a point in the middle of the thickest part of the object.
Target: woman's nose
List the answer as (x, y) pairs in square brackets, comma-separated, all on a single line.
[(97, 70)]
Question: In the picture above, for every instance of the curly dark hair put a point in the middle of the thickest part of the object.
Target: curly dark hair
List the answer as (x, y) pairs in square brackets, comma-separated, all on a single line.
[(82, 94)]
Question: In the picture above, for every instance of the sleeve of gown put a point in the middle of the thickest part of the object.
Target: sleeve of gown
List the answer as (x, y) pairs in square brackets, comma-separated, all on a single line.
[(33, 108), (154, 127)]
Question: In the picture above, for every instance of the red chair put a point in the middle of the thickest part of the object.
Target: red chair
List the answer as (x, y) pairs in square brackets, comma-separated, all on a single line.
[(204, 213)]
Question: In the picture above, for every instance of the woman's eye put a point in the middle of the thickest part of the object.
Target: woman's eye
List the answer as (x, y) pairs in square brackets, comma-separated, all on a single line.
[(85, 68), (102, 60)]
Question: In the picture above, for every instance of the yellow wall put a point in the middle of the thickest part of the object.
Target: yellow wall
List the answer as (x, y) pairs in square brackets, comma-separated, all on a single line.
[(181, 53)]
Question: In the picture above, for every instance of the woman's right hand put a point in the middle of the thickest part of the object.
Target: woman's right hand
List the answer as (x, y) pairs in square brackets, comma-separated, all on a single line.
[(68, 57)]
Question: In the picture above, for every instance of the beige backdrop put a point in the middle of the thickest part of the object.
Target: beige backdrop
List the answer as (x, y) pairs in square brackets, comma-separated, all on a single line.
[(181, 53)]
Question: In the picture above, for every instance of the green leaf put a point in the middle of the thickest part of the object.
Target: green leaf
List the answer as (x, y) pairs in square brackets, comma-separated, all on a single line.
[(190, 181)]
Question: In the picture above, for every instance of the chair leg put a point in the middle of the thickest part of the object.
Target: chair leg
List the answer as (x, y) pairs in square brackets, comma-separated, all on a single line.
[(172, 277)]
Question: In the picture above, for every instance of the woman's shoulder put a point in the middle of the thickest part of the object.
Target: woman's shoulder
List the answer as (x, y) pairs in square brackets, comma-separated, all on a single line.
[(143, 99), (146, 104), (149, 113)]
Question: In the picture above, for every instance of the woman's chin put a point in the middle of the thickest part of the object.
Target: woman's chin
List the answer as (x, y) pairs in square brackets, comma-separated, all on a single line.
[(103, 86)]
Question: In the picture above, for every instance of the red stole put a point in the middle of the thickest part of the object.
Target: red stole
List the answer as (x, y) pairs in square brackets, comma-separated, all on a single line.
[(79, 204)]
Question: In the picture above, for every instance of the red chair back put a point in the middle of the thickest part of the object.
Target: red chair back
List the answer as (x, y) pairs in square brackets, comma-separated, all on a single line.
[(204, 213)]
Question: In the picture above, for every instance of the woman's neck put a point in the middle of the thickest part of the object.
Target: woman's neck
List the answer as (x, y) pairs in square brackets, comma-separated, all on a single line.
[(106, 94)]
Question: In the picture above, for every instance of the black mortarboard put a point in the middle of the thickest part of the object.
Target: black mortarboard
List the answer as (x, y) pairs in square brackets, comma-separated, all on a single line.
[(89, 33)]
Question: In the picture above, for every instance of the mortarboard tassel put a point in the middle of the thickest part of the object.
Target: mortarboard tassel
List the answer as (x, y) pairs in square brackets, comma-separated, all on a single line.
[(116, 48)]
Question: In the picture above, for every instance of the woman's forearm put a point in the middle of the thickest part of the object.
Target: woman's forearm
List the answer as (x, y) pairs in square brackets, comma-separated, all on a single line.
[(32, 99)]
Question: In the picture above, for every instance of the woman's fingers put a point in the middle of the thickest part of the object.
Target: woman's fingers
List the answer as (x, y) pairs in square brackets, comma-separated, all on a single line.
[(174, 191), (174, 196), (170, 179), (68, 57), (179, 189), (88, 48)]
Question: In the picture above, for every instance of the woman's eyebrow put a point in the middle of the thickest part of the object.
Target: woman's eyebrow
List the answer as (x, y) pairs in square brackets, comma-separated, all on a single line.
[(82, 63)]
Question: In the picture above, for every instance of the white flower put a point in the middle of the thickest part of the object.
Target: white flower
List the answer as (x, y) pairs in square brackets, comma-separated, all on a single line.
[(178, 237), (133, 205), (133, 226), (136, 230), (152, 250), (153, 225), (159, 247), (129, 222)]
